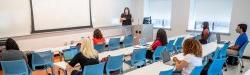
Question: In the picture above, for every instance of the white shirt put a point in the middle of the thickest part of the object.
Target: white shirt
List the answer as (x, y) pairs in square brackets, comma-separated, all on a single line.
[(192, 61)]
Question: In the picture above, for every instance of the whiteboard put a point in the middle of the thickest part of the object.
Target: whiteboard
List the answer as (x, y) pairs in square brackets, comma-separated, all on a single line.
[(107, 12), (56, 14), (15, 19)]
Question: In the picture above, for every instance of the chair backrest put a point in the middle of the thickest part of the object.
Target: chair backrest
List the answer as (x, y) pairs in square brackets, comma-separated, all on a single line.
[(242, 49), (69, 54), (216, 53), (96, 69), (138, 55), (42, 58), (128, 41), (170, 46), (168, 72), (114, 43), (216, 66), (223, 50), (142, 41), (115, 62), (157, 52), (99, 47), (15, 67), (197, 70), (178, 43)]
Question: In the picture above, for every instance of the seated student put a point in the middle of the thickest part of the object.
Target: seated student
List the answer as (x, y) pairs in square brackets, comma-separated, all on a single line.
[(241, 40), (12, 52), (97, 37), (161, 40), (192, 50), (205, 33), (87, 56)]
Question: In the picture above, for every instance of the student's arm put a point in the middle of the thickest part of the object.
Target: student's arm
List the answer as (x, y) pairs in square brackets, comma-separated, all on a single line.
[(179, 65), (122, 18), (234, 47), (75, 60)]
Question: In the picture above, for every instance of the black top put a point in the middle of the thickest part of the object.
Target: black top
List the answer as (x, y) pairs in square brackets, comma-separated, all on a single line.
[(79, 58), (128, 20)]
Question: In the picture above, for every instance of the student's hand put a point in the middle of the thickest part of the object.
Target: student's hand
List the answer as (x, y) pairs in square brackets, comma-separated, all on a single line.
[(175, 59), (68, 67)]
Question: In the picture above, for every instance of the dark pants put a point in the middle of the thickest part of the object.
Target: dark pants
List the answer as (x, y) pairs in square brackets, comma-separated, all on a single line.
[(76, 72), (149, 54)]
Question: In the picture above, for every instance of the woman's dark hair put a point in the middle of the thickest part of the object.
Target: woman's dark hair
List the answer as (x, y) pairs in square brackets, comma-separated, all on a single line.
[(11, 44), (162, 36), (97, 34), (243, 27), (205, 25), (126, 8)]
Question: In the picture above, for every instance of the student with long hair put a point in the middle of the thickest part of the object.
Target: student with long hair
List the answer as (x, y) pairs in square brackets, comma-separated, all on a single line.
[(192, 51), (98, 37), (161, 40), (205, 33), (87, 56)]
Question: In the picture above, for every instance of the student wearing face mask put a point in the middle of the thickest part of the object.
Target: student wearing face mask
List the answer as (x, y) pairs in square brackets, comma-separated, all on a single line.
[(126, 17), (241, 40)]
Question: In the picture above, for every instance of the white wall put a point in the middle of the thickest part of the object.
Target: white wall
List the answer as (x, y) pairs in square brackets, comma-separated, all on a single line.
[(180, 17), (240, 14), (58, 38)]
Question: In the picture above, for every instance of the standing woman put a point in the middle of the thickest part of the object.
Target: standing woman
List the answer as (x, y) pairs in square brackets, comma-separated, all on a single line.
[(205, 33), (126, 17)]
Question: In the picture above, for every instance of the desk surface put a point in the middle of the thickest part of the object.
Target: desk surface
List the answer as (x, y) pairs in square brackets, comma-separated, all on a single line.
[(152, 69)]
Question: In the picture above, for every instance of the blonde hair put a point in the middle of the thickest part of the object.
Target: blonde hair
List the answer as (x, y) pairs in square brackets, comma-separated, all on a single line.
[(87, 48), (192, 46)]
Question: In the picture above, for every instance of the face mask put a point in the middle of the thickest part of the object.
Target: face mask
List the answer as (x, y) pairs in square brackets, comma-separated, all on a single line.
[(237, 30)]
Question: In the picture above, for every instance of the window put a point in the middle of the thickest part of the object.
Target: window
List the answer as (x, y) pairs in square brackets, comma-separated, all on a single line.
[(216, 12), (159, 11)]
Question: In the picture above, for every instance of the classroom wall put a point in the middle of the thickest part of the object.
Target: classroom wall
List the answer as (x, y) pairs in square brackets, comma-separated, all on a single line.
[(180, 13), (59, 38)]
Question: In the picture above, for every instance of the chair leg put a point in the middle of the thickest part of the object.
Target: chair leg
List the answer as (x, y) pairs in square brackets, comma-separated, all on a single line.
[(241, 65), (225, 66)]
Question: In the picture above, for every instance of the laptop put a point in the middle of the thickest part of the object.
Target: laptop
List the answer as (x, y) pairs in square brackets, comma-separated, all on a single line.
[(219, 41), (165, 55)]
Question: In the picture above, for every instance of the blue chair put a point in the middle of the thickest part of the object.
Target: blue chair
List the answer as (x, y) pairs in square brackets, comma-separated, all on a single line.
[(15, 67), (69, 54), (138, 57), (99, 47), (216, 53), (223, 50), (114, 43), (197, 37), (44, 59), (128, 41), (178, 44), (157, 53), (96, 69), (170, 46), (197, 70), (216, 67), (240, 55), (114, 63), (168, 72)]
